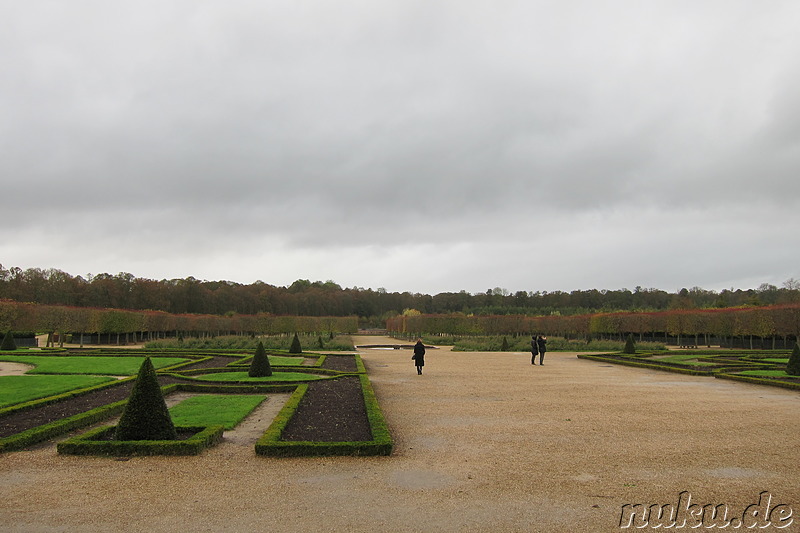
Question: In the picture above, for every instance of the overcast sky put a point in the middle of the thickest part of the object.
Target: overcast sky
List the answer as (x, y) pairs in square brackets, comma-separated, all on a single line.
[(422, 146)]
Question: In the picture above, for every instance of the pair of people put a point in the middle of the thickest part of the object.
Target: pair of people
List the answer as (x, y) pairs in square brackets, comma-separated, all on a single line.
[(538, 347)]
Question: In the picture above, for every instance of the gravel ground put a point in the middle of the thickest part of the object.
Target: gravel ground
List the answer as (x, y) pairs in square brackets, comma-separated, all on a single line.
[(484, 442)]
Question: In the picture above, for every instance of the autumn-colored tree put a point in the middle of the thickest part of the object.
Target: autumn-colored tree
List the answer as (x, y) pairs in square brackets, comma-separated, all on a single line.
[(146, 416)]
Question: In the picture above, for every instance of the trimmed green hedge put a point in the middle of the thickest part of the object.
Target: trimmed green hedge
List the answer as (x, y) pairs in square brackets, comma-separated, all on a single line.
[(58, 397), (95, 442), (381, 444), (651, 365), (760, 381), (269, 444), (727, 366), (44, 432)]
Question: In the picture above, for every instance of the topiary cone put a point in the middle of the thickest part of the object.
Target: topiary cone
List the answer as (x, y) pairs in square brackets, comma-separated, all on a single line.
[(295, 347), (793, 367), (8, 342), (146, 416), (259, 366), (630, 346)]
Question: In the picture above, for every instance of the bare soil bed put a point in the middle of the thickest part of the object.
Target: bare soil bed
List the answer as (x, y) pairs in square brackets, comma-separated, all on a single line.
[(483, 442)]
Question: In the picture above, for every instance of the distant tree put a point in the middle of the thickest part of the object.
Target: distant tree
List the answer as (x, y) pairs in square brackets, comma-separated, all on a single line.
[(8, 342), (146, 416), (295, 347), (630, 345), (260, 367), (793, 368)]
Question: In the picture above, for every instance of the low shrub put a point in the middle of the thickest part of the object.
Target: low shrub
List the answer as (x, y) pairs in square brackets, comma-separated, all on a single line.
[(295, 346), (259, 366), (339, 343), (8, 342), (146, 416), (630, 345), (100, 441), (793, 366), (381, 444), (521, 343)]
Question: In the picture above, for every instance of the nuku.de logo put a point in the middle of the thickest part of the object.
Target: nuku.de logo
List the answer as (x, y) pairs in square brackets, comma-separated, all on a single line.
[(685, 514)]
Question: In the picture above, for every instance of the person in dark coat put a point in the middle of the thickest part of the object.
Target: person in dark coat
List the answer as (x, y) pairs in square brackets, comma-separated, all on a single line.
[(534, 350), (541, 343), (419, 355)]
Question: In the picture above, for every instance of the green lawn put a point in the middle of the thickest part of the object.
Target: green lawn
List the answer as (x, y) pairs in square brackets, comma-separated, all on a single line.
[(97, 365), (768, 373), (215, 409), (18, 389), (684, 359), (784, 360), (276, 376), (282, 360)]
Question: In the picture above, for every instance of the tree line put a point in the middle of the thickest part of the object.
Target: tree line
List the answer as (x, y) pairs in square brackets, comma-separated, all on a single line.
[(776, 326), (109, 326), (306, 298)]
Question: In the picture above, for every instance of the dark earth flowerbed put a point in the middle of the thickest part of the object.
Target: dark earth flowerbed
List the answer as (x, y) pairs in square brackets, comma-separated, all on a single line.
[(333, 410)]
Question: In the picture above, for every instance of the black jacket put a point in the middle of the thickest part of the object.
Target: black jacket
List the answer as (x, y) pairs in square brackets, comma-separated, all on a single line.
[(419, 354)]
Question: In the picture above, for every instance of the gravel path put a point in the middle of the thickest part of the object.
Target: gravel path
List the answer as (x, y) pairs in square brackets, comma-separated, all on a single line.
[(484, 442)]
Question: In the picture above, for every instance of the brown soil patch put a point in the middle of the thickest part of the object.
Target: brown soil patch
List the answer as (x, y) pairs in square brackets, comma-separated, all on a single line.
[(14, 369)]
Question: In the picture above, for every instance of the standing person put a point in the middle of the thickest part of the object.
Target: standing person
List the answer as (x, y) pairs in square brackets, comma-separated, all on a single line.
[(541, 343), (534, 349), (419, 356)]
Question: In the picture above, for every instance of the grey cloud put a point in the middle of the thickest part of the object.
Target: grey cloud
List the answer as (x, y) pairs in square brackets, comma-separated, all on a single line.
[(199, 130)]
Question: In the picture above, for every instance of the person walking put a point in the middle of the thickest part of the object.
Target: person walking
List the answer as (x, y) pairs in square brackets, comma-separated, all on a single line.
[(541, 343), (419, 356), (534, 349)]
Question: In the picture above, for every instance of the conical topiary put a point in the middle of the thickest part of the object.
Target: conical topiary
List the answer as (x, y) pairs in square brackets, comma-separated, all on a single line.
[(630, 346), (793, 368), (8, 342), (259, 366), (295, 347), (146, 416), (504, 345), (320, 344)]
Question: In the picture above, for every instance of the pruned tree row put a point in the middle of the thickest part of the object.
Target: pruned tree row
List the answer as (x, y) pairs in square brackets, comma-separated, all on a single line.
[(778, 325), (84, 324)]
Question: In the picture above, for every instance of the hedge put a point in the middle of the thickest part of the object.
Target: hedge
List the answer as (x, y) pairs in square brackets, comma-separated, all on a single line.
[(269, 444), (726, 368), (381, 444), (653, 366), (760, 381), (95, 442)]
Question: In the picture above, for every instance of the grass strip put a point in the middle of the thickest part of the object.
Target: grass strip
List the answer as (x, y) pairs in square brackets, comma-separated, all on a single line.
[(245, 378), (89, 364), (20, 389), (215, 409)]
